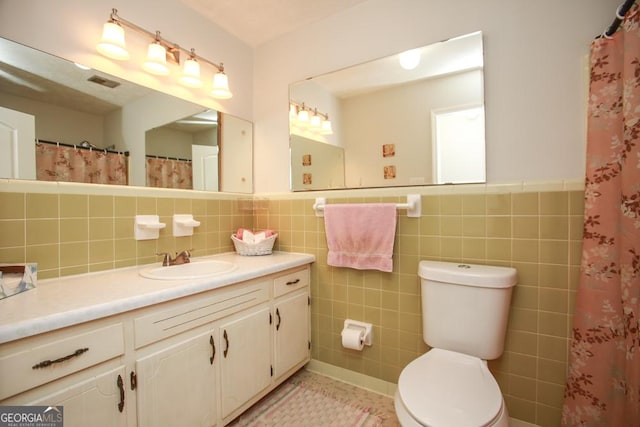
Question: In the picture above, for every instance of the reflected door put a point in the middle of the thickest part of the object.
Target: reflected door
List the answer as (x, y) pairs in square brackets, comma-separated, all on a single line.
[(459, 145), (204, 160), (17, 144)]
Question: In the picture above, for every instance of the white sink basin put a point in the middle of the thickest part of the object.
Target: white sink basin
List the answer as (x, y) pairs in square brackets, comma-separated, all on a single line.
[(191, 270)]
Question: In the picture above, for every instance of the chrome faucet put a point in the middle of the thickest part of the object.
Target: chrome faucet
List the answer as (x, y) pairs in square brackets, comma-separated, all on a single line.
[(181, 258)]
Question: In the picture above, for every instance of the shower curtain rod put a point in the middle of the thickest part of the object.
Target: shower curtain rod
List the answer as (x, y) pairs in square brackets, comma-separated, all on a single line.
[(153, 156), (620, 13), (80, 147)]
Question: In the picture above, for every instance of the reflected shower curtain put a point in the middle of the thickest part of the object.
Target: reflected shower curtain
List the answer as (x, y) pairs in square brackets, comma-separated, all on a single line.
[(603, 384), (70, 164), (169, 173)]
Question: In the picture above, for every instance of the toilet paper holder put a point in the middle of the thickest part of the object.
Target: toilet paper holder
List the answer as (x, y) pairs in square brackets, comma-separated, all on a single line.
[(361, 326)]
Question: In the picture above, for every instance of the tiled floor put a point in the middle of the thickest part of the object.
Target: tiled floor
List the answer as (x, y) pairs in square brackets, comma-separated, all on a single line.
[(380, 405)]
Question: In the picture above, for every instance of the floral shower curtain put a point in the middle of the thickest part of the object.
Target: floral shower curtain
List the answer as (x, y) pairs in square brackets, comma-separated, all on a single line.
[(603, 384), (169, 173), (70, 164)]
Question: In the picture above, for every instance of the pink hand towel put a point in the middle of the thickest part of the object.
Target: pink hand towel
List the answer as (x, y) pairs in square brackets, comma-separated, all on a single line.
[(361, 235)]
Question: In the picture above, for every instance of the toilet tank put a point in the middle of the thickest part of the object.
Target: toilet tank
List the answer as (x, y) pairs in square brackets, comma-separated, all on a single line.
[(465, 307)]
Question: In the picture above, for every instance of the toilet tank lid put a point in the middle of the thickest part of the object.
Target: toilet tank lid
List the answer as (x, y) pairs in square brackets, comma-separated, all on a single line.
[(487, 276)]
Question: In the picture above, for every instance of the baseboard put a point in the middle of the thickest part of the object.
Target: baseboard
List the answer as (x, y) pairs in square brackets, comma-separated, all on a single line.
[(351, 377)]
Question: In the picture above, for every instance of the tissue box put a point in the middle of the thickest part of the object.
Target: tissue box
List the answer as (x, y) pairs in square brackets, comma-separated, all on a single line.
[(16, 278)]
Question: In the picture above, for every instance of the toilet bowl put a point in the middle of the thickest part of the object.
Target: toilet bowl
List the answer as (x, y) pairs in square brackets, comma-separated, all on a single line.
[(464, 318), (445, 388)]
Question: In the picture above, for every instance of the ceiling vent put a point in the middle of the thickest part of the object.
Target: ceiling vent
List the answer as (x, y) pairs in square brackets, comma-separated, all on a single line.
[(104, 82)]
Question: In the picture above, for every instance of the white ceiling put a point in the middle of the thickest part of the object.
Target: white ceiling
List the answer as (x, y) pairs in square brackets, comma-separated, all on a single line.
[(258, 21)]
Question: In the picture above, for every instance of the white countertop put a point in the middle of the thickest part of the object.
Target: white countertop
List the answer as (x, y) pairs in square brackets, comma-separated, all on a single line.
[(69, 300)]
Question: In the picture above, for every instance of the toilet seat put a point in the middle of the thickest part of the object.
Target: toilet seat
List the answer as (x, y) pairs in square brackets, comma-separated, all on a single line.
[(445, 388)]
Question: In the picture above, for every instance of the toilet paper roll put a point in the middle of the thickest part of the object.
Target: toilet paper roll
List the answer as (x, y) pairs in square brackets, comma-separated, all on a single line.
[(353, 338)]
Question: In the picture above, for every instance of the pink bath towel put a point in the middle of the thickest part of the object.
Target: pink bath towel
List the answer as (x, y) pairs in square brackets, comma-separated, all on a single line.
[(361, 235)]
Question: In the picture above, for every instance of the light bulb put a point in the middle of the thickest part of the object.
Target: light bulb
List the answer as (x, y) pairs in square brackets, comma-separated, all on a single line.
[(293, 113), (303, 118), (315, 123), (220, 88), (409, 59), (326, 127), (191, 73), (112, 44), (156, 62)]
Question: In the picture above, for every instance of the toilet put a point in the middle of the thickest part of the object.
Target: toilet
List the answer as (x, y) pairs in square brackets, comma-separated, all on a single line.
[(465, 308)]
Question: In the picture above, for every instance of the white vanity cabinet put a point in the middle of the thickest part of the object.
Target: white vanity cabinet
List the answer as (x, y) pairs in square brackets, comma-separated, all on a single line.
[(176, 385), (292, 332), (245, 362), (197, 360), (80, 368)]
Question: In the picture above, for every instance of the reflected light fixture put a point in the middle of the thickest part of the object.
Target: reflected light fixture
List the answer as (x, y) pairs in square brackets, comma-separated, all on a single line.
[(301, 117), (293, 113), (160, 53), (156, 62), (409, 59), (325, 128), (315, 123)]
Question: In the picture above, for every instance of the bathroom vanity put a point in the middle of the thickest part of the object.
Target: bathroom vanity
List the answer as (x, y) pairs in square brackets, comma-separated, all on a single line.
[(117, 348)]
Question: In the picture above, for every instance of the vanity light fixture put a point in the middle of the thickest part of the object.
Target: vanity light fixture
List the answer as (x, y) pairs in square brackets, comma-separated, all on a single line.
[(161, 52)]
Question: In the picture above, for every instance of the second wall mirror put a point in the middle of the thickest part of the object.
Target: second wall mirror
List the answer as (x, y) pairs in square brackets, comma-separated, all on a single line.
[(415, 118)]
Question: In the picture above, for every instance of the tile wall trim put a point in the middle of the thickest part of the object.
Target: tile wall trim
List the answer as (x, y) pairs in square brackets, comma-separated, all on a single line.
[(32, 186), (521, 187)]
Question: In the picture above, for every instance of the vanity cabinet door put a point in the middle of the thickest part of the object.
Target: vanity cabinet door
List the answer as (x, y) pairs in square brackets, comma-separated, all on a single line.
[(245, 362), (176, 385), (100, 400), (291, 331)]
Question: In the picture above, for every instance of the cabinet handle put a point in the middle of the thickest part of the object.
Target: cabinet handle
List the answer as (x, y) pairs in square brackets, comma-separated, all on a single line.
[(293, 282), (226, 341), (120, 384), (213, 349), (46, 363), (134, 380), (279, 319)]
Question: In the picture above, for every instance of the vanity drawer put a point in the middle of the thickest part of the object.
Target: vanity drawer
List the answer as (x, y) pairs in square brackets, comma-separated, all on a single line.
[(180, 317), (290, 282), (36, 361)]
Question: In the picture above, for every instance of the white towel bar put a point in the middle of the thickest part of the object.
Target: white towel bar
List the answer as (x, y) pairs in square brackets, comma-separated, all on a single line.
[(413, 205)]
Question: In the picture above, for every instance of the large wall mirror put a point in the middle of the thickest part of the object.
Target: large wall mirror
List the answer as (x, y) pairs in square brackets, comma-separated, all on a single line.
[(54, 110), (416, 118)]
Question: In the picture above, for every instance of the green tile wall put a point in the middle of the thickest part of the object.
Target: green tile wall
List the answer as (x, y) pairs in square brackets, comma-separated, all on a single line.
[(80, 233), (538, 233)]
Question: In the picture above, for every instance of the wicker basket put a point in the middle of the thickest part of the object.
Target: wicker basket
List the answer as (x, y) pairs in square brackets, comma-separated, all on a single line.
[(250, 249)]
